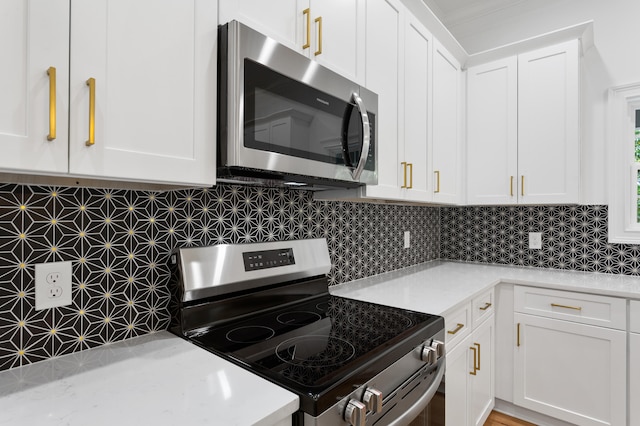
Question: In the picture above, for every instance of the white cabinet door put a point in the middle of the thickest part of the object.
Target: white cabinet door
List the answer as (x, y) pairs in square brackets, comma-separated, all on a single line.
[(154, 65), (481, 386), (34, 36), (281, 20), (417, 107), (446, 127), (634, 378), (548, 124), (383, 58), (457, 378), (574, 372), (337, 36), (492, 132)]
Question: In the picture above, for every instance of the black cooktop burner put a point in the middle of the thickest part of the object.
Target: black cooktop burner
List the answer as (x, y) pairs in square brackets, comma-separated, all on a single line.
[(250, 334), (298, 318)]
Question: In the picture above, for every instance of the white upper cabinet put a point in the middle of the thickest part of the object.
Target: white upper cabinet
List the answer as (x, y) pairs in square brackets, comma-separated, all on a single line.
[(548, 124), (492, 132), (151, 114), (384, 54), (331, 32), (447, 173), (417, 84), (523, 128), (132, 100), (34, 38)]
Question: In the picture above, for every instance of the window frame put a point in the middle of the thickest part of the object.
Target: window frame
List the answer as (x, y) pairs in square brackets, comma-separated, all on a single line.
[(622, 168)]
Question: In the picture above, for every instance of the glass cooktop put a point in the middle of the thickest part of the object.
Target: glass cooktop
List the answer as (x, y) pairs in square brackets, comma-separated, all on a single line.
[(313, 344)]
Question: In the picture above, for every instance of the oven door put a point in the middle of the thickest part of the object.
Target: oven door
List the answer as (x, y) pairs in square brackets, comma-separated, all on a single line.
[(287, 114)]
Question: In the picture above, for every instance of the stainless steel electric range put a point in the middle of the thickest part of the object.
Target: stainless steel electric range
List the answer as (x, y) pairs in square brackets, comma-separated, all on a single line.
[(266, 307)]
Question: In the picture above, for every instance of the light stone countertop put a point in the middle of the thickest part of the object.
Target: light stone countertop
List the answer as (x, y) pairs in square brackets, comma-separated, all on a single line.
[(156, 379), (161, 379), (439, 287)]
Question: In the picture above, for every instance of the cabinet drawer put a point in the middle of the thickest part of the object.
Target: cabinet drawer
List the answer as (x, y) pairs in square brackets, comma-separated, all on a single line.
[(482, 307), (457, 325), (579, 307), (634, 316)]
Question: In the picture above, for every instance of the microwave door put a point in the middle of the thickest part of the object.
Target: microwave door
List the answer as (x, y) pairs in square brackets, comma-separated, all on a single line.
[(347, 136)]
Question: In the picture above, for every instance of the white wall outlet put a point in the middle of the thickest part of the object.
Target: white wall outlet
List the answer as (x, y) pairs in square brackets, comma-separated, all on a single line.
[(407, 239), (53, 285), (535, 240)]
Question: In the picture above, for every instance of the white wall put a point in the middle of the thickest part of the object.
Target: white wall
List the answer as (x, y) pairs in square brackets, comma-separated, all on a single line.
[(613, 60)]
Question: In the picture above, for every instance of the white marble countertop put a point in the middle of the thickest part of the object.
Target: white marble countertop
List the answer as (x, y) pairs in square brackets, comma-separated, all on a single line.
[(156, 379), (438, 287)]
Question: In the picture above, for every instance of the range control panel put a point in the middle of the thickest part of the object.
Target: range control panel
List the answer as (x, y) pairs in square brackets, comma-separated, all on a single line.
[(255, 260)]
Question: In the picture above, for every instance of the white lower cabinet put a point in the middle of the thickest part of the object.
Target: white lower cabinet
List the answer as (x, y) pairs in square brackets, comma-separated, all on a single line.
[(568, 369), (634, 365), (469, 377)]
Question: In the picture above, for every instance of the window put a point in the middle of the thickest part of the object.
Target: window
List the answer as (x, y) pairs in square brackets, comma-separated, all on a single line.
[(623, 150)]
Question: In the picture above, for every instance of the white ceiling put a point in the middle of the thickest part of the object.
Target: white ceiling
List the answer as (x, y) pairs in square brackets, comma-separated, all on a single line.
[(455, 12)]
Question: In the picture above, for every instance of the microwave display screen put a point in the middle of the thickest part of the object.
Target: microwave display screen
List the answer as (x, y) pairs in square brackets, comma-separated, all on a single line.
[(285, 116)]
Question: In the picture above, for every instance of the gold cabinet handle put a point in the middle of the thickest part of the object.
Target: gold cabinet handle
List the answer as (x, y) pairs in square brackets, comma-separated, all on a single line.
[(51, 72), (479, 353), (410, 175), (522, 185), (511, 186), (404, 174), (307, 13), (475, 359), (437, 173), (518, 333), (486, 306), (318, 20), (92, 111), (576, 308), (455, 330)]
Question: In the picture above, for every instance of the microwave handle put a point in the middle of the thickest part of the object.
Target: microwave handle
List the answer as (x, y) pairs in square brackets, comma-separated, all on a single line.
[(366, 137)]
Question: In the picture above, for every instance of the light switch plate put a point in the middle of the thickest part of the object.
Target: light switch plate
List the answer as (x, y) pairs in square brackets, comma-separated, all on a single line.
[(53, 285), (407, 239)]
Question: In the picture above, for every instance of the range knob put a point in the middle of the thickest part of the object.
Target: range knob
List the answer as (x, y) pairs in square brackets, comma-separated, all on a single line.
[(355, 413), (439, 347), (373, 400), (429, 355)]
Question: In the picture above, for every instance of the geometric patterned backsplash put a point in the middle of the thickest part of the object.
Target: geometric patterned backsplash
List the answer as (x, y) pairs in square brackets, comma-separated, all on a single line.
[(119, 242), (573, 237)]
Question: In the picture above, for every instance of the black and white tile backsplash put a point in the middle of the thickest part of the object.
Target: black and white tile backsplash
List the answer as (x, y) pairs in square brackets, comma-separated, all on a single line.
[(573, 237), (119, 242)]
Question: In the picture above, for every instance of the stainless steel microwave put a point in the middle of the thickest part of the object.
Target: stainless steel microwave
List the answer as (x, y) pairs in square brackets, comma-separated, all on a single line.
[(285, 119)]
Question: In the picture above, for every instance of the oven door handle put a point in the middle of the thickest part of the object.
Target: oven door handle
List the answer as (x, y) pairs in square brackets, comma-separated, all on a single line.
[(424, 400), (366, 136)]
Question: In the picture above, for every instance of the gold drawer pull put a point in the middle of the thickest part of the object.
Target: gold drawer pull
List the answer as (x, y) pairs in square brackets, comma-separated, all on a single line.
[(479, 351), (51, 72), (437, 173), (575, 308), (458, 328), (92, 112), (318, 20), (518, 339), (475, 358), (486, 306), (307, 13), (511, 186)]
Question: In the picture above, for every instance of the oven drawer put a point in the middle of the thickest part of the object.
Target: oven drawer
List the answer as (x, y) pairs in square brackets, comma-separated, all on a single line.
[(482, 307), (583, 308), (457, 325)]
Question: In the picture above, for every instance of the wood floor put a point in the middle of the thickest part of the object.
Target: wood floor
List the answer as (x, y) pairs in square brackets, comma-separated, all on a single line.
[(499, 419)]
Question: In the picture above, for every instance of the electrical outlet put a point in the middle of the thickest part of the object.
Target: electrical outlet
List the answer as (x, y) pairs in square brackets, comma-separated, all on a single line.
[(407, 239), (53, 285), (535, 240)]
